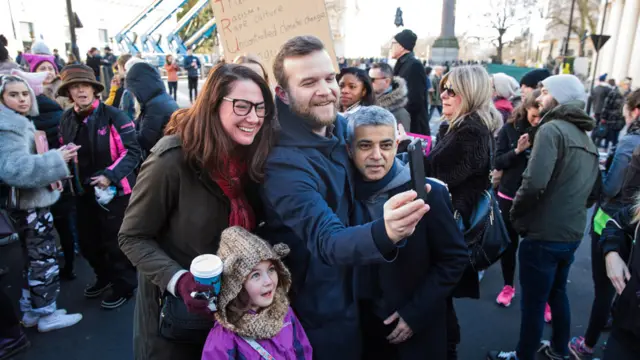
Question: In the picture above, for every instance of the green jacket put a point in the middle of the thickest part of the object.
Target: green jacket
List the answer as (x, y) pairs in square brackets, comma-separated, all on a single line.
[(558, 184)]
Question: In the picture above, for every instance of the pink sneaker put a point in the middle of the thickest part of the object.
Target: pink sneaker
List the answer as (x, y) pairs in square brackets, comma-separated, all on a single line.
[(547, 313), (506, 295)]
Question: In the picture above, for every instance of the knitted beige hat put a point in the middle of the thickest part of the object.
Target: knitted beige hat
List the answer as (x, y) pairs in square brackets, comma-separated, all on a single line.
[(241, 251)]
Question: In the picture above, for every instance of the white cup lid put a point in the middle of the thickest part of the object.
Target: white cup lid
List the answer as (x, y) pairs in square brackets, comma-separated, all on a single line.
[(206, 266)]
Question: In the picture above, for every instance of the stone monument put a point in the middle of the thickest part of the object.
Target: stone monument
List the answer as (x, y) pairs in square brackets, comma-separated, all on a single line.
[(446, 47)]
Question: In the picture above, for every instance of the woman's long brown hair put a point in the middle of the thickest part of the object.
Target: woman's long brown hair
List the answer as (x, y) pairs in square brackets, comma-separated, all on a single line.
[(204, 141), (520, 113)]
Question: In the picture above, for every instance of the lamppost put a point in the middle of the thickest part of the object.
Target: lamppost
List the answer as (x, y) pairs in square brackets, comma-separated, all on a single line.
[(72, 30), (566, 44)]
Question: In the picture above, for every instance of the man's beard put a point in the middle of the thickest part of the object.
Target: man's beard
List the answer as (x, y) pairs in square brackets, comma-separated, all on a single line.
[(305, 112)]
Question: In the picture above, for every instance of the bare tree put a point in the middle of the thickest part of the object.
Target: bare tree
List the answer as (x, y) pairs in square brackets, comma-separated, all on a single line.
[(504, 15), (585, 17)]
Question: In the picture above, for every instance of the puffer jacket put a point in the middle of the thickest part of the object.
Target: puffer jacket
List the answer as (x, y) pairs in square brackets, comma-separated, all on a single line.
[(48, 120), (613, 195), (156, 106), (113, 142), (612, 110), (558, 184), (22, 167)]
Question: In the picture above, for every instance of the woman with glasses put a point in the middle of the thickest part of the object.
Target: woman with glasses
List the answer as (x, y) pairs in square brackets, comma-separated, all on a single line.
[(461, 159), (355, 90), (198, 180)]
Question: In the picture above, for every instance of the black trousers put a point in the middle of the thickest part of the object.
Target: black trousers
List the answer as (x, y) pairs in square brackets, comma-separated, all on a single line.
[(65, 221), (98, 229), (173, 89), (374, 334), (453, 331), (603, 291), (508, 259), (193, 87), (9, 322)]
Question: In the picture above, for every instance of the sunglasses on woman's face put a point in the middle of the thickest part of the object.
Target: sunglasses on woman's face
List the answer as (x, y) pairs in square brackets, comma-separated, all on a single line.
[(447, 89)]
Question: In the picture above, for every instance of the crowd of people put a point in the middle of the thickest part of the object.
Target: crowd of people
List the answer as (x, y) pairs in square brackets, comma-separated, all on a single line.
[(307, 195)]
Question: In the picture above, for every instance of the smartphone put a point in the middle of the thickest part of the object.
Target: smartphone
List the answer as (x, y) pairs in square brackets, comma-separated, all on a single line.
[(416, 163)]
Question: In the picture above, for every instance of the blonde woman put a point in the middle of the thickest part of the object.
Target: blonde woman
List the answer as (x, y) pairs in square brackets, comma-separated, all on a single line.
[(461, 159)]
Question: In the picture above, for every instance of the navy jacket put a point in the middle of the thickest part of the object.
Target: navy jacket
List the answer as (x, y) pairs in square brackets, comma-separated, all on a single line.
[(48, 120), (308, 200), (428, 266), (187, 63), (156, 106)]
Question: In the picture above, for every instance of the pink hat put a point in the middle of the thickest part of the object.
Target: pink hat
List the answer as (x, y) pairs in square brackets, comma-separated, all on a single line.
[(34, 80), (34, 60)]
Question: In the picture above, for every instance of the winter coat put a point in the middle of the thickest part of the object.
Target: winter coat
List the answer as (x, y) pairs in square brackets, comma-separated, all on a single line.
[(505, 108), (461, 160), (113, 145), (94, 63), (290, 344), (435, 255), (598, 97), (617, 236), (48, 119), (612, 182), (172, 71), (187, 63), (507, 160), (435, 94), (22, 167), (395, 101), (612, 110), (308, 199), (156, 106), (551, 204), (176, 212), (411, 70)]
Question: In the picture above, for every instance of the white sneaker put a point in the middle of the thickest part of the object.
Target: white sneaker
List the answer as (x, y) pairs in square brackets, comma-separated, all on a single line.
[(58, 321), (30, 319)]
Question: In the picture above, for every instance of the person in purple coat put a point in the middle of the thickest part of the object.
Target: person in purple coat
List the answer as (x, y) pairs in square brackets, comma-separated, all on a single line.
[(254, 320)]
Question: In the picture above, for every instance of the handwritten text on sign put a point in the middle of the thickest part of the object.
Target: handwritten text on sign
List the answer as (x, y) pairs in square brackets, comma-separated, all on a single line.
[(260, 27)]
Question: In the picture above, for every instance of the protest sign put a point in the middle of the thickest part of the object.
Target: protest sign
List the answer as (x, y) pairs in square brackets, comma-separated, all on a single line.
[(261, 27)]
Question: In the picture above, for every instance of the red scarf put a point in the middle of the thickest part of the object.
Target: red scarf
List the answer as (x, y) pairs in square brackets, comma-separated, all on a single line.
[(231, 184)]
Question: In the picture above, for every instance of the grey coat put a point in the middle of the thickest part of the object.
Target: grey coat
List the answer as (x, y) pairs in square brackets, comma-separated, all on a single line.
[(22, 167), (396, 100)]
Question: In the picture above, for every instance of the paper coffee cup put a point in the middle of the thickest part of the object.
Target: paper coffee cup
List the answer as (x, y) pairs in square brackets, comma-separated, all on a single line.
[(207, 270)]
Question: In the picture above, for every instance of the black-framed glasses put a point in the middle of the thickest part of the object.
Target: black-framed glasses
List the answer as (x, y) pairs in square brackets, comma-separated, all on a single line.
[(373, 79), (243, 107), (449, 91)]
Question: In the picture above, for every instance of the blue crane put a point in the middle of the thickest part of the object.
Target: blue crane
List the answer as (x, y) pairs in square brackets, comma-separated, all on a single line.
[(149, 44), (176, 44), (123, 35)]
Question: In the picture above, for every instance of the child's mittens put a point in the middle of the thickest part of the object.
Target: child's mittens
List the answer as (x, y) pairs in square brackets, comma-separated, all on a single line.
[(185, 286)]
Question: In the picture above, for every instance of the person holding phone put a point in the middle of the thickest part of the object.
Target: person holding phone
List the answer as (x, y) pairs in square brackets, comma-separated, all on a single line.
[(403, 303)]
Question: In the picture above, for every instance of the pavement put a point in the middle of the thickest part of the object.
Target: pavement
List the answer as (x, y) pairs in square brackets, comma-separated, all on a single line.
[(107, 335)]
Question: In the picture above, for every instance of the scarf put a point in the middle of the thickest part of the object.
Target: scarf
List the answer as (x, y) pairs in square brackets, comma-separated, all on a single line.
[(231, 184), (82, 114), (634, 127), (366, 189)]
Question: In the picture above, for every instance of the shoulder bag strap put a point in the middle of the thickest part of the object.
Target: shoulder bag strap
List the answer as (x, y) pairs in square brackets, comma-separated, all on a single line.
[(257, 347)]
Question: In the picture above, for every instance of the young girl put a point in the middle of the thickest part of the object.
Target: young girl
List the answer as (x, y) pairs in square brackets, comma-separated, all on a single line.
[(31, 174), (254, 320)]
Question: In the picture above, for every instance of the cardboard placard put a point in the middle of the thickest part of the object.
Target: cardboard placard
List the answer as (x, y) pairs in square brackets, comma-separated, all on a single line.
[(261, 27)]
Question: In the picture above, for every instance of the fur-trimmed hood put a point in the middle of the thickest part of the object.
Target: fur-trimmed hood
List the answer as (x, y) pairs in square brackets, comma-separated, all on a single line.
[(397, 98)]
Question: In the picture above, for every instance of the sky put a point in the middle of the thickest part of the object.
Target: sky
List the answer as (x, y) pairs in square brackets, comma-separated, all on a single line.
[(368, 28)]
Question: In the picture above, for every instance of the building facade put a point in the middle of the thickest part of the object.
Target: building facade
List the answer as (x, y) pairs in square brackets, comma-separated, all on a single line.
[(620, 56)]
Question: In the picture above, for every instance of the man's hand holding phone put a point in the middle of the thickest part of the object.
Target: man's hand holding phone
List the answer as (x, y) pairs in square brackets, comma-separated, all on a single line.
[(402, 214)]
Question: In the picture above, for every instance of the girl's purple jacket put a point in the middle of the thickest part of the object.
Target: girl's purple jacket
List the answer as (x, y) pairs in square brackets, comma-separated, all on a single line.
[(291, 343)]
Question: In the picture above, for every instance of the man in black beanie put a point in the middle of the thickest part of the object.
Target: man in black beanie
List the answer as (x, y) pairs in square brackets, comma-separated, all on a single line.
[(412, 71), (530, 81)]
